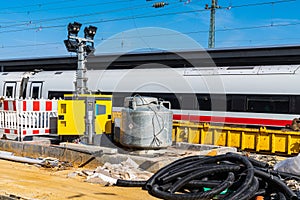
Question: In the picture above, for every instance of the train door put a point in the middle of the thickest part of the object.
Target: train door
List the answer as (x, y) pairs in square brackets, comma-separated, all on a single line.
[(10, 89), (36, 90), (23, 87)]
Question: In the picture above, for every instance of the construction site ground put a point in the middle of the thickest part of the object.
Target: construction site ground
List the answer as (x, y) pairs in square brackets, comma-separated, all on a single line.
[(24, 181), (76, 173)]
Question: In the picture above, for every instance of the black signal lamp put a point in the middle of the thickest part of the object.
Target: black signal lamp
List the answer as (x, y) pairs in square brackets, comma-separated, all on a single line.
[(74, 28), (89, 32)]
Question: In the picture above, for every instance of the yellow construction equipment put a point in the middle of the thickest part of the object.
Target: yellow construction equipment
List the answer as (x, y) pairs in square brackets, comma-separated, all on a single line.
[(260, 140), (80, 114)]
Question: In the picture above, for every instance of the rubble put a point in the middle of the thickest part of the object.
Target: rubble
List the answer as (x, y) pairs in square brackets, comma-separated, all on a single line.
[(109, 173)]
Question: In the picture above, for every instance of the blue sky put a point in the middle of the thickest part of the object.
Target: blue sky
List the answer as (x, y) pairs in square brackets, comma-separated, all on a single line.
[(37, 28)]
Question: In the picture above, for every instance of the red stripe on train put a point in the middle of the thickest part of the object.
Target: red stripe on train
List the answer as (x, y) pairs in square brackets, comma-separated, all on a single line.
[(232, 120)]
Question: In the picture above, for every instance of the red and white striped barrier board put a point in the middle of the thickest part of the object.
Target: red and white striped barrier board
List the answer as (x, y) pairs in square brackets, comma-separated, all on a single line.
[(8, 117), (26, 117)]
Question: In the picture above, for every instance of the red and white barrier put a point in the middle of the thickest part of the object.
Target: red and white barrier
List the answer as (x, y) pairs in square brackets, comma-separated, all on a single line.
[(8, 117), (27, 117)]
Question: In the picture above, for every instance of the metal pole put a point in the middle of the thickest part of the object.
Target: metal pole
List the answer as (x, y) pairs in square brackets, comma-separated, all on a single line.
[(211, 40), (81, 79)]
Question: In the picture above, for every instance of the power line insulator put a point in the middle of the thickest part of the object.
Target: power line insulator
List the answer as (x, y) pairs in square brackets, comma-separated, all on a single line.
[(159, 4)]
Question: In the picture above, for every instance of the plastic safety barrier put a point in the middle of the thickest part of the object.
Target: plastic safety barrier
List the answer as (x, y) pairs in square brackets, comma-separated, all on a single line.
[(26, 117)]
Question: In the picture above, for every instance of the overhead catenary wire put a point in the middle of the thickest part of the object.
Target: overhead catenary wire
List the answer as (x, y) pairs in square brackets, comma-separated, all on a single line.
[(127, 17), (58, 8), (167, 34), (158, 14), (38, 4)]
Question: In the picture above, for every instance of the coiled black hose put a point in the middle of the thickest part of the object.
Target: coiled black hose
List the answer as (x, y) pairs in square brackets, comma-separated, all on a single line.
[(278, 184), (228, 177)]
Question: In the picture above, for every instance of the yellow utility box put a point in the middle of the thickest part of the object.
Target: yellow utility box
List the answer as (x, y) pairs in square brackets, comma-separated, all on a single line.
[(80, 114)]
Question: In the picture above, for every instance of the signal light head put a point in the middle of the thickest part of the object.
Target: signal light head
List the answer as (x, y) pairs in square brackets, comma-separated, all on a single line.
[(74, 28), (89, 32)]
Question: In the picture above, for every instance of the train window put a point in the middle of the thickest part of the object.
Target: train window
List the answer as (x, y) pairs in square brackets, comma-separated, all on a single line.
[(204, 101), (218, 102), (295, 105), (36, 90), (268, 104), (9, 90), (58, 94), (118, 99), (188, 101), (238, 103), (173, 98)]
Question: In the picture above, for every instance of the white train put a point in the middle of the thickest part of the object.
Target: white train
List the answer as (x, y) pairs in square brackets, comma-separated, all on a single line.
[(251, 96)]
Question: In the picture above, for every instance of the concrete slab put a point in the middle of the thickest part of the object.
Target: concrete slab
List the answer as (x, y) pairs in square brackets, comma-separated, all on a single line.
[(89, 148)]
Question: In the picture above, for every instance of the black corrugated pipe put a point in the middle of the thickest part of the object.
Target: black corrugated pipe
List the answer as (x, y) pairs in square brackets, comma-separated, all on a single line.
[(257, 163), (193, 196), (228, 177), (201, 173), (250, 193), (127, 183), (248, 179), (185, 172), (279, 185), (281, 196), (166, 169)]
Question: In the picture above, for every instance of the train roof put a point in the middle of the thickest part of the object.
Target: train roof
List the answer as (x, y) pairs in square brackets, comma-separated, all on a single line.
[(243, 56)]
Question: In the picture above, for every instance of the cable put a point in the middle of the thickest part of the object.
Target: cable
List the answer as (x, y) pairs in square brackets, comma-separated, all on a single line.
[(30, 45), (258, 4), (39, 4), (130, 17), (73, 16), (61, 8), (233, 176)]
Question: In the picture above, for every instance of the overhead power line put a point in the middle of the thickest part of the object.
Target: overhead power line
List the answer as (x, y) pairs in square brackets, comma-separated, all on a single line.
[(260, 4), (29, 22), (22, 23), (62, 8), (30, 45), (38, 4), (149, 16)]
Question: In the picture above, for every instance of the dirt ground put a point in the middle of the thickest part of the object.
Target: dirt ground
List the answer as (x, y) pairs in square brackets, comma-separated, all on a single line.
[(31, 182)]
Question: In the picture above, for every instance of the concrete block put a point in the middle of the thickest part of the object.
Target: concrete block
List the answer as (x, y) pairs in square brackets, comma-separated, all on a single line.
[(12, 146), (53, 152), (89, 148)]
